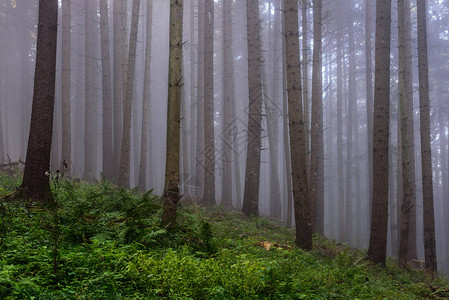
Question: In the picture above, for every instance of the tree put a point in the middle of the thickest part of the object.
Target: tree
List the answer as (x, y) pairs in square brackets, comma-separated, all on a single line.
[(107, 152), (426, 151), (251, 192), (90, 107), (228, 102), (405, 98), (316, 171), (296, 125), (36, 183), (66, 151), (171, 190), (209, 114), (125, 157), (381, 125), (146, 99)]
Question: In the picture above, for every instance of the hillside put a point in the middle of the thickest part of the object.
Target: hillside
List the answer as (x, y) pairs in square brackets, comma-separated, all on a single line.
[(104, 242)]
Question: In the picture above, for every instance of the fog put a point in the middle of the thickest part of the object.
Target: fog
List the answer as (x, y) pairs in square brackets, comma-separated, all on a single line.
[(345, 129)]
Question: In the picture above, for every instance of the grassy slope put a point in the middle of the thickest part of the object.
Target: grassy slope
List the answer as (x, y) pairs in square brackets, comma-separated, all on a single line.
[(110, 247)]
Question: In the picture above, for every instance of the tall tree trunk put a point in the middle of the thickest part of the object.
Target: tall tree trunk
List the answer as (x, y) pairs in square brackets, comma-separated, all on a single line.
[(146, 100), (66, 151), (369, 100), (200, 141), (412, 251), (341, 188), (305, 78), (208, 126), (108, 154), (296, 121), (251, 192), (316, 174), (404, 98), (90, 108), (171, 190), (118, 24), (125, 157), (426, 151), (228, 99), (381, 127), (35, 180)]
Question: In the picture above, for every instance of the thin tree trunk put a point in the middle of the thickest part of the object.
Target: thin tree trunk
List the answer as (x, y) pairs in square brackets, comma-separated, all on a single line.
[(66, 151), (305, 79), (90, 108), (146, 100), (369, 100), (228, 99), (341, 190), (208, 126), (124, 174), (316, 174), (426, 151), (108, 154), (404, 80)]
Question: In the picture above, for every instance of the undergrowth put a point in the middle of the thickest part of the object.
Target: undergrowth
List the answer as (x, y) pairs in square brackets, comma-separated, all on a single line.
[(110, 246)]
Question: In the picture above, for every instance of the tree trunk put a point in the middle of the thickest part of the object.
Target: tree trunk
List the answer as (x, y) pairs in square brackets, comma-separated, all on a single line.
[(209, 113), (426, 151), (171, 190), (404, 98), (35, 180), (381, 127), (296, 123), (228, 99), (66, 151), (108, 154), (90, 108), (305, 78), (146, 101), (316, 173), (125, 157), (369, 101), (251, 192)]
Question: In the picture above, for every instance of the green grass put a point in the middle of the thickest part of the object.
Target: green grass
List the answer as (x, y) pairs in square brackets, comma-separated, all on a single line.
[(108, 245)]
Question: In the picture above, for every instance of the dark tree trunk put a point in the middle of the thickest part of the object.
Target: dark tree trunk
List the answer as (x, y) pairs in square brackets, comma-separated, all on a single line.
[(251, 193), (35, 180), (426, 151), (381, 126)]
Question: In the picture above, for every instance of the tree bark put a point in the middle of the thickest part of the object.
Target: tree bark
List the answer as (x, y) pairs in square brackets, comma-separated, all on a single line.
[(35, 180), (171, 190), (426, 151), (381, 126), (296, 123), (316, 142), (209, 115), (66, 151), (125, 157), (144, 154), (251, 192), (108, 154)]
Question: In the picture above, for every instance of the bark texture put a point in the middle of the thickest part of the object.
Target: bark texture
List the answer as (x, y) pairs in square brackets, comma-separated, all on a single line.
[(171, 195), (426, 152), (296, 124), (251, 192), (35, 180), (381, 126)]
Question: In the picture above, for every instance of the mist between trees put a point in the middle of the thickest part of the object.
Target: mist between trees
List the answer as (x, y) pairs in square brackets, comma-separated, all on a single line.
[(336, 122)]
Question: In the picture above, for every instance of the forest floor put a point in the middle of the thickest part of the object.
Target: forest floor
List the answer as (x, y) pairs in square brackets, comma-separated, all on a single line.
[(103, 242)]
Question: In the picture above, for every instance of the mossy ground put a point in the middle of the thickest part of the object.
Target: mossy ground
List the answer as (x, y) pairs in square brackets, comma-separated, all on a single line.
[(104, 242)]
